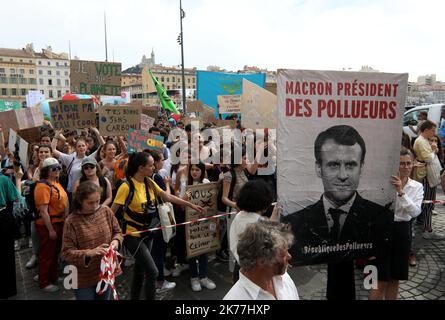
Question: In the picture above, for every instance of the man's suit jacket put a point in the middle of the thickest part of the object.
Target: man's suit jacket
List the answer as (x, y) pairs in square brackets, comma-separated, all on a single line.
[(366, 222)]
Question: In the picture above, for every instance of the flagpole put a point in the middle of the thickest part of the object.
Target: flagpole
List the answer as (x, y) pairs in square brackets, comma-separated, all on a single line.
[(182, 15), (106, 44)]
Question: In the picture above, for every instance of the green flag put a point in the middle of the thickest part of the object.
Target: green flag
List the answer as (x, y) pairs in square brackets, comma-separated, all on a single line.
[(166, 102)]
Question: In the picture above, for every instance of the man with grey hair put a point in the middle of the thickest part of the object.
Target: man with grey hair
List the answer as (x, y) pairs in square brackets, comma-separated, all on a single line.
[(264, 259)]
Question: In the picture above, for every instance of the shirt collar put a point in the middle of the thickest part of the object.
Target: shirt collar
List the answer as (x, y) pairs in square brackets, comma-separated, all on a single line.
[(254, 290), (346, 207)]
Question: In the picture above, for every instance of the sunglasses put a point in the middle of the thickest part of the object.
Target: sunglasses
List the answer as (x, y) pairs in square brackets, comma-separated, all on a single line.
[(54, 169), (89, 167)]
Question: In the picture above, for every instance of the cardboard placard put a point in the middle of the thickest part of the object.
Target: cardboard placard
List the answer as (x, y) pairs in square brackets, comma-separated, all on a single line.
[(226, 123), (258, 107), (139, 140), (77, 114), (31, 135), (152, 112), (146, 122), (19, 146), (118, 120), (202, 237), (96, 78), (208, 114), (29, 117), (194, 106), (229, 104)]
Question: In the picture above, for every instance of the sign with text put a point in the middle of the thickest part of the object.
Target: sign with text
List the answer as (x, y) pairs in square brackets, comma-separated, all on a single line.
[(152, 112), (258, 107), (346, 128), (202, 237), (29, 117), (18, 146), (33, 98), (139, 140), (76, 114), (229, 104), (96, 78), (146, 122), (194, 106), (207, 115), (118, 120)]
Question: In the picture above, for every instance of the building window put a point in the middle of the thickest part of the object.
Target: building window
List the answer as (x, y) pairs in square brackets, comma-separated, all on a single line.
[(58, 73), (3, 80), (58, 82), (31, 71), (194, 80), (67, 83), (23, 81), (162, 79), (174, 79), (40, 63), (66, 73), (50, 82), (57, 64), (49, 72), (4, 92), (12, 60), (168, 87), (41, 72), (30, 61), (12, 71), (49, 63), (23, 93), (194, 87), (188, 80), (13, 92), (32, 81), (66, 64), (2, 70), (51, 94), (42, 91), (41, 82), (59, 93), (12, 80), (168, 79)]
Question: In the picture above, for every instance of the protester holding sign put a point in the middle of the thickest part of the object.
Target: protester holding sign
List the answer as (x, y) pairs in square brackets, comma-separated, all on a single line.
[(137, 196), (198, 265)]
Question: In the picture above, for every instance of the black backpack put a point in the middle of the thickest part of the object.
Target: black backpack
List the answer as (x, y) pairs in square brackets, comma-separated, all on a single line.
[(28, 193), (222, 207)]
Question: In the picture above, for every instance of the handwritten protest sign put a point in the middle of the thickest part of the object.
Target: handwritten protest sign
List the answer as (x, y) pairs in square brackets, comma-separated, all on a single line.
[(146, 122), (202, 237), (194, 106), (208, 114), (139, 140), (96, 78), (77, 114), (229, 104), (152, 112), (258, 107), (117, 120), (34, 97), (18, 146)]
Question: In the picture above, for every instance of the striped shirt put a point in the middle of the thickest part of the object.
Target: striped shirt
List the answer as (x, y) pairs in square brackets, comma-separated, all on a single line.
[(84, 232)]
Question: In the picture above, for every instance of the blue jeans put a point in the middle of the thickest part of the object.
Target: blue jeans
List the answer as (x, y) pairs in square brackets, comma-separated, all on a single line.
[(90, 294), (199, 266)]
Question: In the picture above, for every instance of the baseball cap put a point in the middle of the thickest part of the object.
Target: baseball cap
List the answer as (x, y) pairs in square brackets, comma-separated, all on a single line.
[(48, 162), (87, 160)]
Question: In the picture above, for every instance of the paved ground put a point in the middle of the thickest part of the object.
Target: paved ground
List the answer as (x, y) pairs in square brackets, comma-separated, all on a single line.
[(427, 279)]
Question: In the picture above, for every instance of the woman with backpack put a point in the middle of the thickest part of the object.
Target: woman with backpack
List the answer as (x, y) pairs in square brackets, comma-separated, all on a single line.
[(137, 198), (91, 172), (52, 204)]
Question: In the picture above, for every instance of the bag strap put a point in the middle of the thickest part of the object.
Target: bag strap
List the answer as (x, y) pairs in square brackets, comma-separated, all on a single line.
[(68, 170), (130, 195), (232, 183)]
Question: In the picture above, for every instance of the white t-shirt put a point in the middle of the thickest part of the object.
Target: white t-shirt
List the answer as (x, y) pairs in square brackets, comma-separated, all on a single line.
[(239, 224)]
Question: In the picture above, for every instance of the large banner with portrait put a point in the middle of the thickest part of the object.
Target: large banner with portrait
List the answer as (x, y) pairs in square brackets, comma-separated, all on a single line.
[(339, 138)]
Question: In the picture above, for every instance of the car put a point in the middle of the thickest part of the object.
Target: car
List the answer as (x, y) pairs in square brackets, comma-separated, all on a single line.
[(410, 118)]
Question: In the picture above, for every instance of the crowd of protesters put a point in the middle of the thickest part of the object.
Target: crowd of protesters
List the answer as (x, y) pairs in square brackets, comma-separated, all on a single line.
[(85, 193)]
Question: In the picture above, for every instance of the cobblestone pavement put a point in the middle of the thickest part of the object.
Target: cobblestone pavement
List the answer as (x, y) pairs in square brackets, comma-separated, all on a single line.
[(426, 280)]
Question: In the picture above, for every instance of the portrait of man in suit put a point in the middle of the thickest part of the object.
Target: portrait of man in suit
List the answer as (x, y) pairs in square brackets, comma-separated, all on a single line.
[(342, 224)]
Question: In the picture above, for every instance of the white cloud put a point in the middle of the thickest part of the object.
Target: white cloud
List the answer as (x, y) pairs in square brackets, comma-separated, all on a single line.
[(391, 36)]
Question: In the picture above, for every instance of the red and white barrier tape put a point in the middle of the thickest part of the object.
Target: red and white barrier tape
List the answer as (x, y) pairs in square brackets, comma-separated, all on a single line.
[(109, 266), (433, 201), (184, 223)]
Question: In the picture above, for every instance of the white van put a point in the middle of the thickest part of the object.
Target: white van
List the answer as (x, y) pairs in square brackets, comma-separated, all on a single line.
[(410, 117)]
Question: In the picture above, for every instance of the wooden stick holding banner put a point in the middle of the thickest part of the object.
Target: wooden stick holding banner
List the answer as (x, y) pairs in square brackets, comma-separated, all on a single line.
[(202, 237)]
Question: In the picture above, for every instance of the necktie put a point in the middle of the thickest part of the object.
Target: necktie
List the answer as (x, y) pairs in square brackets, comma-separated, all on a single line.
[(335, 230)]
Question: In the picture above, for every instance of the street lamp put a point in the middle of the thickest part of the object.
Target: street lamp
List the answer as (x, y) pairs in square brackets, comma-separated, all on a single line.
[(181, 42)]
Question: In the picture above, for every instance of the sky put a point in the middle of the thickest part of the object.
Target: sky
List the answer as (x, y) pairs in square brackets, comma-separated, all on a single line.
[(397, 36)]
